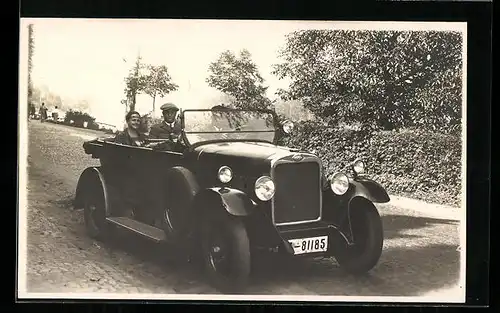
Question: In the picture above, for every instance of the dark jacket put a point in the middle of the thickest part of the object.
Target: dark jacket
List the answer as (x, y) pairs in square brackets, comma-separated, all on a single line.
[(124, 138), (164, 131), (43, 112)]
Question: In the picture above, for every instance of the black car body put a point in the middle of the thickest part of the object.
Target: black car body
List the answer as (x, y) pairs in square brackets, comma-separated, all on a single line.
[(229, 191)]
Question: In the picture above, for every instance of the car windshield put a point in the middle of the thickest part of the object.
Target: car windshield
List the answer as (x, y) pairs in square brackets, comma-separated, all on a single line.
[(205, 125)]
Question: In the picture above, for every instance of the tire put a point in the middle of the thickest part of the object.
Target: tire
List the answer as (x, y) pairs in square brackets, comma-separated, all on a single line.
[(368, 233), (177, 205), (94, 210), (225, 250)]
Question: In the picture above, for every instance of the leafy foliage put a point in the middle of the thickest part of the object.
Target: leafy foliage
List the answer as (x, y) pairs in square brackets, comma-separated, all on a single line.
[(382, 79), (31, 51), (238, 77), (79, 118), (147, 120), (153, 80), (422, 163), (157, 82), (134, 83), (293, 110)]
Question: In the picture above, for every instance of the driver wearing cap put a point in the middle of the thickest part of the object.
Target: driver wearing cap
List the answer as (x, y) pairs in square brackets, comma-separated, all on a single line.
[(170, 127)]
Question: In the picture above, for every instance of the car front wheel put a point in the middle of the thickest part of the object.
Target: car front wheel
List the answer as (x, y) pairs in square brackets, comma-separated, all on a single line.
[(94, 212), (368, 236), (226, 252)]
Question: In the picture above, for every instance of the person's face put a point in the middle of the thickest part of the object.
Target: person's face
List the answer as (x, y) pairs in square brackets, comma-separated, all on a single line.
[(169, 115), (134, 121)]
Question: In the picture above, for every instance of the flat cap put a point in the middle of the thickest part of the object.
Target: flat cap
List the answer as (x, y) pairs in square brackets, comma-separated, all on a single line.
[(169, 106)]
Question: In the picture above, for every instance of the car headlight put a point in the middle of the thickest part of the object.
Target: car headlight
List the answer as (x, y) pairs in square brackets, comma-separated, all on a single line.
[(225, 174), (288, 127), (358, 167), (339, 183), (264, 188)]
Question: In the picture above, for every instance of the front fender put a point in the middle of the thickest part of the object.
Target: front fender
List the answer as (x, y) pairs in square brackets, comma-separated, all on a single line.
[(336, 208), (234, 201), (89, 176), (369, 189)]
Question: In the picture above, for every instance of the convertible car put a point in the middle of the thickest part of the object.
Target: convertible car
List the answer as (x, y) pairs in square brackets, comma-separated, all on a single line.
[(225, 189)]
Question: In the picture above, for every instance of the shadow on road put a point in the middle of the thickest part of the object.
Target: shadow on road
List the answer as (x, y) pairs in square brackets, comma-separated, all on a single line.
[(395, 225), (164, 256), (400, 272), (416, 265)]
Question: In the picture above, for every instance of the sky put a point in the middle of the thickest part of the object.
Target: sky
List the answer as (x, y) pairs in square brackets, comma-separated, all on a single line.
[(87, 59)]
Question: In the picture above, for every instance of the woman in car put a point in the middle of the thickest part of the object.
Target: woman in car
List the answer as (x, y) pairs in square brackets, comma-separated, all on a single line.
[(131, 135)]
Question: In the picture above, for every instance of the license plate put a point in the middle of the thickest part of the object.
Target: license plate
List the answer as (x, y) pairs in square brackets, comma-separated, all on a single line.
[(309, 245)]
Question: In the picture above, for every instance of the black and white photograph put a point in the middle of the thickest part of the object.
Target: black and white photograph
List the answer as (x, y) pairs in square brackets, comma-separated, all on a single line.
[(265, 160)]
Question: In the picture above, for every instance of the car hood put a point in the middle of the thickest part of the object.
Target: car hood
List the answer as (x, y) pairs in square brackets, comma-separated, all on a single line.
[(250, 150), (245, 158), (248, 160)]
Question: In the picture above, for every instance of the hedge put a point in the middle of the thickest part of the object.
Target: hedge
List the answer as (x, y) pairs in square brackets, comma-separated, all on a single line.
[(409, 162)]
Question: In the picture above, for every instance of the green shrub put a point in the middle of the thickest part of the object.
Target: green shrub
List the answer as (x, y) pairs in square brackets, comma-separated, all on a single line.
[(79, 118), (409, 161)]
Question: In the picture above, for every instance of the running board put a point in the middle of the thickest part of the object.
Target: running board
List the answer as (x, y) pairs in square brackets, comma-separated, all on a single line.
[(145, 230)]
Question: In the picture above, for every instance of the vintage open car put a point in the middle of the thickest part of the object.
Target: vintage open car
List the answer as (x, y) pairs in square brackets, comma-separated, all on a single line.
[(224, 190)]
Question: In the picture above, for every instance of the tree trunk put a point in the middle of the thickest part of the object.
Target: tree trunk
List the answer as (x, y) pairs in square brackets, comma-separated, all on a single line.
[(132, 105), (153, 114)]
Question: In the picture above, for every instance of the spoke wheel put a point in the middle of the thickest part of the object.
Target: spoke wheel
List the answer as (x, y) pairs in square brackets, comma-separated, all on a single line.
[(95, 213), (226, 252)]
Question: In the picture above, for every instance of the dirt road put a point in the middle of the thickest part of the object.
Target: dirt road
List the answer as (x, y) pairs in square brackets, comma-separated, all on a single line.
[(420, 253)]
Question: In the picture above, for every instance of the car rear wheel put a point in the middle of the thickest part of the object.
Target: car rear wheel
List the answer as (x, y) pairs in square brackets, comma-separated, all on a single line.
[(368, 237), (94, 211), (226, 252)]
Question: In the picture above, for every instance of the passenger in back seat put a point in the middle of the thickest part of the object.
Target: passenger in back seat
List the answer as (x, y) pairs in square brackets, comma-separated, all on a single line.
[(131, 135)]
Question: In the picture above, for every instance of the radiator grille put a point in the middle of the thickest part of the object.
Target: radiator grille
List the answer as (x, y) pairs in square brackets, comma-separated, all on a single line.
[(297, 196)]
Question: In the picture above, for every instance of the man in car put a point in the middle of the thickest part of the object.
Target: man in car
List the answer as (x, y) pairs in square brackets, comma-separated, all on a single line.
[(170, 127)]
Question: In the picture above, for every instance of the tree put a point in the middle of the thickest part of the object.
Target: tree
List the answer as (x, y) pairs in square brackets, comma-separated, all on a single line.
[(239, 78), (382, 79), (133, 83), (35, 95), (31, 51), (157, 82)]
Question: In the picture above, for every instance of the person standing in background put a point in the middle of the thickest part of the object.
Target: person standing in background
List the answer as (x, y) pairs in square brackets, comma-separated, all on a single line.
[(55, 114), (31, 111), (43, 112)]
